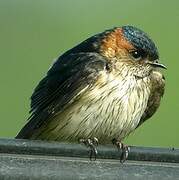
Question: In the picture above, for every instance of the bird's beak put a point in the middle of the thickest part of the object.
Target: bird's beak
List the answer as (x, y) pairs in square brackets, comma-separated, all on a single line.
[(157, 64)]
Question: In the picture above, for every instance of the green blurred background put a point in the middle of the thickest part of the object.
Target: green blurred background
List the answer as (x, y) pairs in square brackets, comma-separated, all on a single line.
[(33, 33)]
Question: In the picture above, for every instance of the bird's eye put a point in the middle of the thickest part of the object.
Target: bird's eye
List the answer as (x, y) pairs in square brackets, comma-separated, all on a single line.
[(138, 54)]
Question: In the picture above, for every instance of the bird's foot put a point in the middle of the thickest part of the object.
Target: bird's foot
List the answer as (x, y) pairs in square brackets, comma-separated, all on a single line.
[(124, 148), (92, 143)]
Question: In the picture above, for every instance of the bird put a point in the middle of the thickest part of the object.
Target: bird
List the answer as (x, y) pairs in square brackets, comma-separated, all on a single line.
[(99, 91)]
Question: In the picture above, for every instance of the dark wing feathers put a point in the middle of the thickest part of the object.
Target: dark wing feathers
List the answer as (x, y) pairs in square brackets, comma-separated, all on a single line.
[(157, 91), (66, 78)]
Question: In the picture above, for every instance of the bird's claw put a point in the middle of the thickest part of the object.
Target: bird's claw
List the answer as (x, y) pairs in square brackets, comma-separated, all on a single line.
[(124, 148), (124, 154), (91, 143)]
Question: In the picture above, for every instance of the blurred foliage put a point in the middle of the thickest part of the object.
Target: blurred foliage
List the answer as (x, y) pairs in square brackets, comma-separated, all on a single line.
[(33, 33)]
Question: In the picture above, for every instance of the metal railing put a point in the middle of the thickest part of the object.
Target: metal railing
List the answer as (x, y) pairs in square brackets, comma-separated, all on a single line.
[(26, 159)]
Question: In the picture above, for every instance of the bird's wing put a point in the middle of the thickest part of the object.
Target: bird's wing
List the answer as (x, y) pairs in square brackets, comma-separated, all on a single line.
[(68, 76), (157, 91)]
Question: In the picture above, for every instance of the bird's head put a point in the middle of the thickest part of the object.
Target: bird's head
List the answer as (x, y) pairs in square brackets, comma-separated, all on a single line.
[(132, 47)]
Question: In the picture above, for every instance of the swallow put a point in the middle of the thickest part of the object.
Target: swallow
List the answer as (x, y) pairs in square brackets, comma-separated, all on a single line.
[(99, 91)]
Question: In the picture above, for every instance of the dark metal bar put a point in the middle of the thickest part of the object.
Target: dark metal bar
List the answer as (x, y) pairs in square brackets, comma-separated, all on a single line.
[(32, 160), (29, 147)]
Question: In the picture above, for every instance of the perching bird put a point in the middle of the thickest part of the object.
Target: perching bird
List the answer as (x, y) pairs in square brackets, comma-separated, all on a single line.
[(100, 90)]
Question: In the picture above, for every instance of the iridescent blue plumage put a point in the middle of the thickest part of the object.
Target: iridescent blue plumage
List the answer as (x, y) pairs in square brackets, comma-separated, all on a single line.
[(140, 40)]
